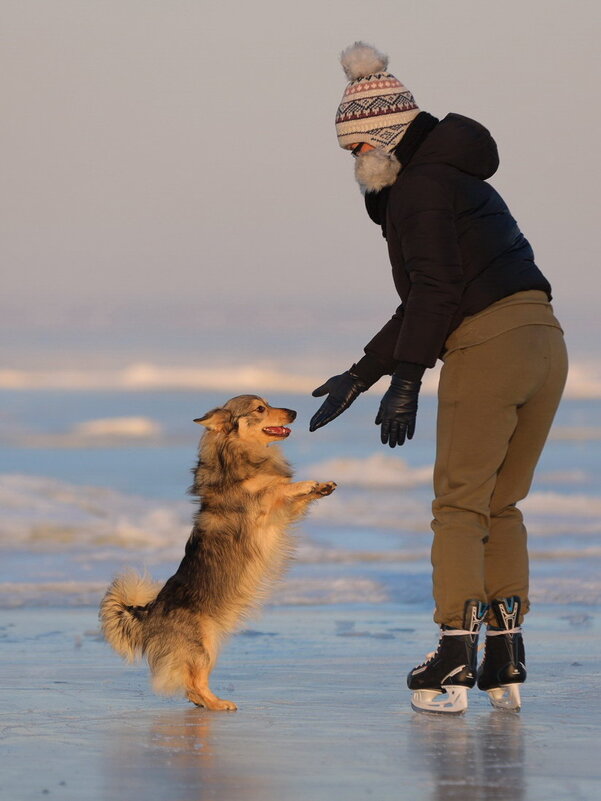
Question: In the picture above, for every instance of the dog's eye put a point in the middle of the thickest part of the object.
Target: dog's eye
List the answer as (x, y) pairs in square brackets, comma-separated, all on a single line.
[(260, 409)]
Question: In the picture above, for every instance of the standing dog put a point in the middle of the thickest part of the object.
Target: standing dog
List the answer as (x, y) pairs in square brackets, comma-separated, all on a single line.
[(239, 545)]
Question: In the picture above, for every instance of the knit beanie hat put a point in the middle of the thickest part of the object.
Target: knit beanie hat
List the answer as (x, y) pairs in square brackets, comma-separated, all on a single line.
[(376, 107)]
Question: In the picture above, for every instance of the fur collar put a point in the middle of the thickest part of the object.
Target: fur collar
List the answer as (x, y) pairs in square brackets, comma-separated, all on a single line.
[(377, 169)]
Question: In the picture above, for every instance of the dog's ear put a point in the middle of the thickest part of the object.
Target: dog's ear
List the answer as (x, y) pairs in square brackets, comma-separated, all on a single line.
[(217, 420)]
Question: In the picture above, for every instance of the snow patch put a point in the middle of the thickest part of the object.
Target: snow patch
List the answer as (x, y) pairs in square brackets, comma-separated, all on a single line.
[(554, 504), (584, 379), (46, 514), (147, 376), (107, 432), (576, 433), (563, 590), (294, 592), (118, 426), (377, 470), (574, 476)]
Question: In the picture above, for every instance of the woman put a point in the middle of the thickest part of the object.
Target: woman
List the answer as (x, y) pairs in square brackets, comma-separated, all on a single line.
[(473, 296)]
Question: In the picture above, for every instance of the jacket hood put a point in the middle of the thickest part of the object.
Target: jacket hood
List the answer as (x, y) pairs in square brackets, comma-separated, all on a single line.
[(462, 143)]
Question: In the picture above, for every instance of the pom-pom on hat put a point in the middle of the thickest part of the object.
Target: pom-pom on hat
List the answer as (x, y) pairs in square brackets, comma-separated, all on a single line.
[(375, 107)]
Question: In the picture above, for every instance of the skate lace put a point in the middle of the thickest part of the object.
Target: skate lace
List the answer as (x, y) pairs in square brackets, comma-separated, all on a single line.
[(429, 656), (482, 646), (444, 633), (516, 630), (427, 659)]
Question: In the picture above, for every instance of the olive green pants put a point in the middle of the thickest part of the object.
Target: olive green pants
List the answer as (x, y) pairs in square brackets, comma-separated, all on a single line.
[(497, 400)]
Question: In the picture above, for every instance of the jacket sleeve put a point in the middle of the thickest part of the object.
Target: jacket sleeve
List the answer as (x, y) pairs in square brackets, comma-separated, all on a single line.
[(379, 359), (382, 345), (425, 225)]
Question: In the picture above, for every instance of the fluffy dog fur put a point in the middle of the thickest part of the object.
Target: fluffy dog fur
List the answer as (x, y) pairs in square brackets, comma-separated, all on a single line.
[(239, 545)]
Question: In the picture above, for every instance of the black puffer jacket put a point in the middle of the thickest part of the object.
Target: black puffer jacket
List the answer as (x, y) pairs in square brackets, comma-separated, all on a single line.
[(453, 244)]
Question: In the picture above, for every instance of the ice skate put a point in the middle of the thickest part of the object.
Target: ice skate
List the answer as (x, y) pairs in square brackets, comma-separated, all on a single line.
[(503, 668), (441, 683)]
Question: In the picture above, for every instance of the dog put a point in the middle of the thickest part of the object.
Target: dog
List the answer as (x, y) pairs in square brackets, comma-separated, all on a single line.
[(239, 545)]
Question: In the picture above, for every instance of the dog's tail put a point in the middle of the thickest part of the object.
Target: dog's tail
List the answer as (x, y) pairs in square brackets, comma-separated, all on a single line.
[(123, 611)]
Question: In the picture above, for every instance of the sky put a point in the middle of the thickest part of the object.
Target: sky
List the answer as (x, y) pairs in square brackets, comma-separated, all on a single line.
[(173, 190)]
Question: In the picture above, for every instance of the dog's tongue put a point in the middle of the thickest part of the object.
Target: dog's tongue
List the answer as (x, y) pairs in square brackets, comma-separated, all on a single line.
[(277, 431)]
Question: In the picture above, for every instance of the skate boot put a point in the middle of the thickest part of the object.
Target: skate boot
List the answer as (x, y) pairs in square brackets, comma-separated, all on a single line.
[(441, 683), (503, 667)]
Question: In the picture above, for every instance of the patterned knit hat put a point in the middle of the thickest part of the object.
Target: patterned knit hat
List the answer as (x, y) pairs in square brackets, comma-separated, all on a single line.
[(376, 107)]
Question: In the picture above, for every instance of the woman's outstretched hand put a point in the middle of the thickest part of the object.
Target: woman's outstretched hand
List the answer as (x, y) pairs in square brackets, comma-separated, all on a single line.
[(398, 410), (341, 391)]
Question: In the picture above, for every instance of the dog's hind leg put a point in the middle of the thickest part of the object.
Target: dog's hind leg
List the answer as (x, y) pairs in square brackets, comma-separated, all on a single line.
[(197, 684), (199, 692)]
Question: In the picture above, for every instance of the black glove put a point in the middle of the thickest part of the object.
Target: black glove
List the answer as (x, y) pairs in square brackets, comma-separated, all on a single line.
[(398, 410), (341, 391)]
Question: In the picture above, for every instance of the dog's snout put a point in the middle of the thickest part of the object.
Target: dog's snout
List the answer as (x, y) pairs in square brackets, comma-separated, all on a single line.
[(291, 414)]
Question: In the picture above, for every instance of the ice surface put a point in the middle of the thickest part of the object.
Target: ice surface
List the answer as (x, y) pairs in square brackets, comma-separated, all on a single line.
[(319, 675), (323, 714)]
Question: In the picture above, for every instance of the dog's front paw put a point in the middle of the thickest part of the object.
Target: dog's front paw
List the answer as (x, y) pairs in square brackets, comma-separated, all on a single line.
[(301, 488), (327, 488)]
